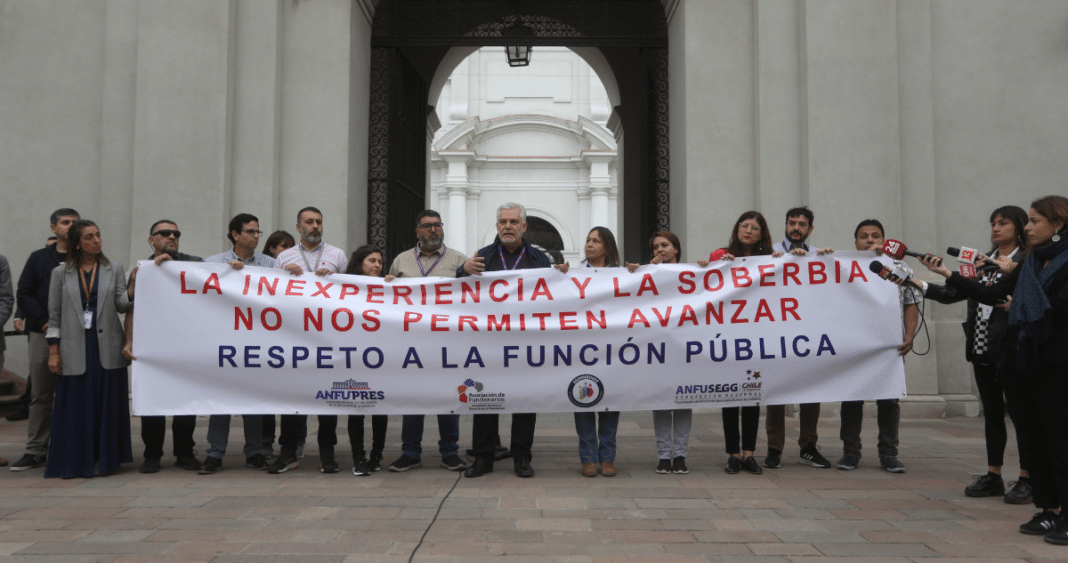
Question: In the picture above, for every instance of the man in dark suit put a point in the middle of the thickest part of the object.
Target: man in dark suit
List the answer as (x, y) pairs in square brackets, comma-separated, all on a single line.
[(509, 252)]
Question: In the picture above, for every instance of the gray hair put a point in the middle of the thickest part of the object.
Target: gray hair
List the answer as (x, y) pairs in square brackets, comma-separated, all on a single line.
[(511, 205)]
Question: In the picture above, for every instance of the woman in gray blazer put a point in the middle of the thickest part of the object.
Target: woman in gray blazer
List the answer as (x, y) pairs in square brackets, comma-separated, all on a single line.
[(91, 416)]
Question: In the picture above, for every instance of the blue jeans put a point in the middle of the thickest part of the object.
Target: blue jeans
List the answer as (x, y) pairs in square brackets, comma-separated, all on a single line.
[(412, 435), (597, 445), (219, 434)]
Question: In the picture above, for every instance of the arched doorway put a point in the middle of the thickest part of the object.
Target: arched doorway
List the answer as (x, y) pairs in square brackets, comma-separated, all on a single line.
[(411, 39)]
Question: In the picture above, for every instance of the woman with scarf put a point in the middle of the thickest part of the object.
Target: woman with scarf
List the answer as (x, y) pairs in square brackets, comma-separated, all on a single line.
[(1037, 351)]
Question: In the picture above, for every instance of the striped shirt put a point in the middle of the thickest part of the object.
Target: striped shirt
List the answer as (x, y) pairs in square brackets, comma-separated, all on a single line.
[(332, 258), (261, 260), (448, 260)]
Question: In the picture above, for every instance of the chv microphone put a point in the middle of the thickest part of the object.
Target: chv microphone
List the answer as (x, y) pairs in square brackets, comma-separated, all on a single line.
[(897, 250), (968, 256), (886, 273), (967, 270)]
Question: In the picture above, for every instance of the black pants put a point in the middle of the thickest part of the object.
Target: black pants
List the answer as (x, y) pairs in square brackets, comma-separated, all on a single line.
[(485, 435), (750, 426), (295, 430), (154, 431), (268, 430), (1042, 421), (995, 396), (379, 422)]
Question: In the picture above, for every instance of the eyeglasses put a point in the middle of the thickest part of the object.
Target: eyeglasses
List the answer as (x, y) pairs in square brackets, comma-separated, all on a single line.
[(165, 233), (437, 225), (253, 232)]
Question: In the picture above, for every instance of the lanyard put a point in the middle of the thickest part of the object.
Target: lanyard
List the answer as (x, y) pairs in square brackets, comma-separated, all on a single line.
[(435, 265), (85, 287), (322, 247), (517, 261)]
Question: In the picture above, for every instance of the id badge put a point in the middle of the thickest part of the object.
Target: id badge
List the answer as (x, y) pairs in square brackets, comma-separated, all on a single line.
[(985, 310), (87, 319)]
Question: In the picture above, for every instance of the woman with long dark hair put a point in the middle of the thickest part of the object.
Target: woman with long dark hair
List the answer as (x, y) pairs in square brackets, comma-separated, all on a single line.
[(598, 445), (750, 237), (278, 242), (672, 426), (366, 261), (91, 417), (1037, 355), (984, 332)]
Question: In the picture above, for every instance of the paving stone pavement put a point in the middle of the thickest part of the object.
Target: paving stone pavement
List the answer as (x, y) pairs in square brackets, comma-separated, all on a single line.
[(792, 514)]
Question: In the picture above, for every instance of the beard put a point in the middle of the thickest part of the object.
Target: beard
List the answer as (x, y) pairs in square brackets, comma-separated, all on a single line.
[(796, 237), (313, 237), (430, 242)]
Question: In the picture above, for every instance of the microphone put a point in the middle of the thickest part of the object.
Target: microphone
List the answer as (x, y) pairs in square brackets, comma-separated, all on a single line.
[(717, 254), (171, 252), (886, 273), (897, 250), (967, 270), (968, 255)]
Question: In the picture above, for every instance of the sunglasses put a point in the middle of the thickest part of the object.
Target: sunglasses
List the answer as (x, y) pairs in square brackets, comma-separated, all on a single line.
[(165, 233)]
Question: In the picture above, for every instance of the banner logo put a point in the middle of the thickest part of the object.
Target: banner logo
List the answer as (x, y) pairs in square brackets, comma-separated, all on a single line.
[(350, 393), (585, 391), (471, 393)]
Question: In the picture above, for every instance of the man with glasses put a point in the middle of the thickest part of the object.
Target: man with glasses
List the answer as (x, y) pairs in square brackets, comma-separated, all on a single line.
[(163, 238), (311, 254), (429, 258), (245, 235), (32, 298)]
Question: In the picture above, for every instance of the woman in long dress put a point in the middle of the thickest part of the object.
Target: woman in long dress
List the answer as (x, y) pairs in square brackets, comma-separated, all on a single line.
[(91, 416)]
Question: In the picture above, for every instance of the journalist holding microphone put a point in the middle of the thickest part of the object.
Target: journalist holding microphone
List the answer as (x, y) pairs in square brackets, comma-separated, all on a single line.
[(984, 334), (1037, 349)]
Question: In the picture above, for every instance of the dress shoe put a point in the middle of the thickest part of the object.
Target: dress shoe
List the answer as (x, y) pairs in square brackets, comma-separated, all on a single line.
[(588, 469), (522, 467), (479, 468), (608, 469)]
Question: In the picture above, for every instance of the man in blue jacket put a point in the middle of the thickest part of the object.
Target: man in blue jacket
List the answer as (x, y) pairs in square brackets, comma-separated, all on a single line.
[(509, 252), (32, 296)]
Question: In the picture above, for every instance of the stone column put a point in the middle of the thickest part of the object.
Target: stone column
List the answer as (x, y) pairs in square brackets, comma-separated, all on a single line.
[(456, 186)]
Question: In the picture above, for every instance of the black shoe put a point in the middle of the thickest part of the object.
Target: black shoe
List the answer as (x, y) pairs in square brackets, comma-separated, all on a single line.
[(150, 465), (678, 465), (257, 461), (210, 465), (750, 464), (1020, 493), (374, 463), (479, 468), (1041, 523), (774, 459), (734, 465), (664, 466), (29, 461), (989, 485), (359, 467), (404, 463), (811, 456), (327, 463), (452, 462), (522, 467), (20, 414), (286, 460), (1058, 535), (189, 462)]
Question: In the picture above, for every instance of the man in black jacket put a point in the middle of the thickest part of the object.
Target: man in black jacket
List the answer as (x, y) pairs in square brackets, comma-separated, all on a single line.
[(32, 296), (509, 252), (163, 238)]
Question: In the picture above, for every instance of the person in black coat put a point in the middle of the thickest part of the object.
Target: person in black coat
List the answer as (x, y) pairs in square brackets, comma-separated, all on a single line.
[(1037, 353), (508, 252), (984, 332)]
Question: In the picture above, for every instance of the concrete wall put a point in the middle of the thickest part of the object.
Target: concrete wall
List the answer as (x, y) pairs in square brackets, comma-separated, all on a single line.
[(134, 110)]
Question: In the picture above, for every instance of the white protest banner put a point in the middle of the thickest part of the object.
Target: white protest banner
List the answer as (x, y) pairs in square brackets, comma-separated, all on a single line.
[(210, 339)]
